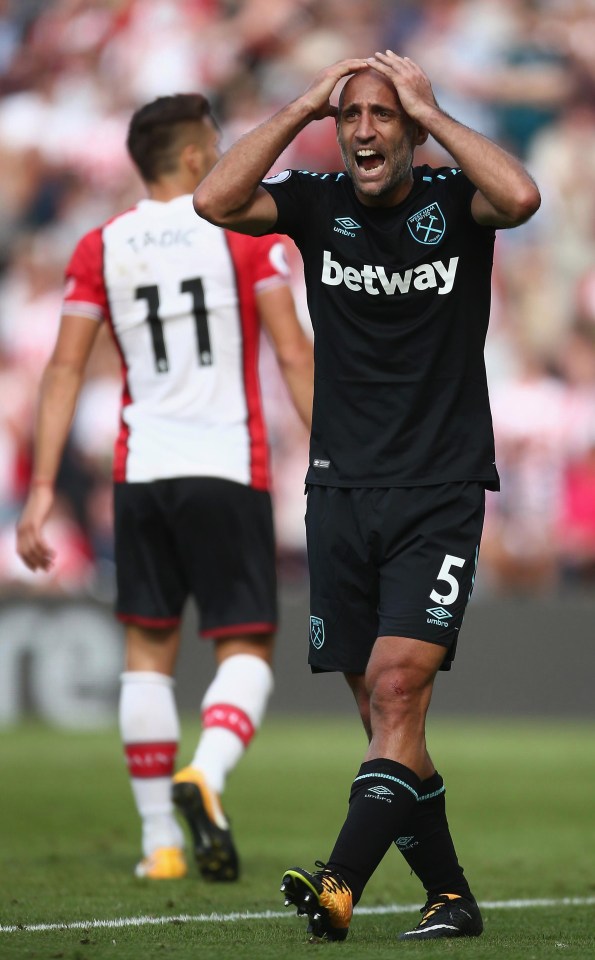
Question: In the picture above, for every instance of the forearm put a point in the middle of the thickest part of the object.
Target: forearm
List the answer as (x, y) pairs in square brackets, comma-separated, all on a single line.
[(506, 194), (293, 348), (299, 377), (230, 195), (498, 176), (57, 401), (231, 186)]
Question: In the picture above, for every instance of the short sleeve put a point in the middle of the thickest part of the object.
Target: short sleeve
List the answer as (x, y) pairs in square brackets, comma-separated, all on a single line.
[(264, 258), (84, 293), (287, 191)]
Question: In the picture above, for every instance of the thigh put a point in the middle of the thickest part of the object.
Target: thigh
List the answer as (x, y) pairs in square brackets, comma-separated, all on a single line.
[(150, 584), (343, 580), (430, 554), (225, 543)]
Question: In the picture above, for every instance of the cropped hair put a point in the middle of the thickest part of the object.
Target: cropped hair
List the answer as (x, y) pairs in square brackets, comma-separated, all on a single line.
[(156, 131)]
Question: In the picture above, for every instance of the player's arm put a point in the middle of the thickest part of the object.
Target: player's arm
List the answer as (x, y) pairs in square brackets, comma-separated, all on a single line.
[(506, 194), (60, 387), (231, 195), (292, 346)]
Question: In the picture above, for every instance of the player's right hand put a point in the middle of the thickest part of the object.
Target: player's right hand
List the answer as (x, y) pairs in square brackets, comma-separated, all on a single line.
[(319, 92), (32, 548)]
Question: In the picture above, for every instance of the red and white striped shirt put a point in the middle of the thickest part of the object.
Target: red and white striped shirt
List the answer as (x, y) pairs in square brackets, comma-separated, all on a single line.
[(179, 295)]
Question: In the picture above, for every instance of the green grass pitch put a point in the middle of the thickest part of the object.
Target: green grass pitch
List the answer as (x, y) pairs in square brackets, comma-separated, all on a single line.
[(521, 801)]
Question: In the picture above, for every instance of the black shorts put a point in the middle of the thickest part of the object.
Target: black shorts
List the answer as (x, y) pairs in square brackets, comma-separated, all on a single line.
[(395, 561), (195, 536)]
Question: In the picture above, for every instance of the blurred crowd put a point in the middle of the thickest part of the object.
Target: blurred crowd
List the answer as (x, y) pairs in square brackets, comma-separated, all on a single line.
[(520, 71)]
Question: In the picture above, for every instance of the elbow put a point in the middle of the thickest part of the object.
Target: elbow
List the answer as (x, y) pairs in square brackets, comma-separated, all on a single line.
[(527, 202), (298, 359), (205, 207)]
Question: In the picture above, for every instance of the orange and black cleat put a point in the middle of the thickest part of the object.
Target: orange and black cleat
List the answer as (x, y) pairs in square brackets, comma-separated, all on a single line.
[(448, 915), (321, 896)]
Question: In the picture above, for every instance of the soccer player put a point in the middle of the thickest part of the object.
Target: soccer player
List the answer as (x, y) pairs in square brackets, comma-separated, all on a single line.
[(184, 302), (398, 263)]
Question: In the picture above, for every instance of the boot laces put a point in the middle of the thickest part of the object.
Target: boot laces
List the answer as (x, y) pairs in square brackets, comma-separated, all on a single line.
[(329, 879), (434, 904)]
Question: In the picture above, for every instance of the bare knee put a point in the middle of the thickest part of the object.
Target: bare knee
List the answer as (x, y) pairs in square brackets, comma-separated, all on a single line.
[(400, 678), (399, 692), (256, 645), (152, 650)]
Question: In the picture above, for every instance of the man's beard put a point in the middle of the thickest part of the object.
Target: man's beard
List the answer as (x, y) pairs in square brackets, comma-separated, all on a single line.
[(399, 164)]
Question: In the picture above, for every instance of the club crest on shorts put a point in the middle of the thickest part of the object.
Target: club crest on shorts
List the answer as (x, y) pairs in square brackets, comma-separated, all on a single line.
[(316, 632), (427, 226)]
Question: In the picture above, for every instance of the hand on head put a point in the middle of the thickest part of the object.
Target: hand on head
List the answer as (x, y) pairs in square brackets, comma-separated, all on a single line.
[(319, 92), (411, 83)]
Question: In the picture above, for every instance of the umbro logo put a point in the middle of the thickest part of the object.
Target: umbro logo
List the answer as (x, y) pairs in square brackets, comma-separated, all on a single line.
[(348, 223), (439, 612), (380, 793), (406, 843), (439, 617), (346, 226)]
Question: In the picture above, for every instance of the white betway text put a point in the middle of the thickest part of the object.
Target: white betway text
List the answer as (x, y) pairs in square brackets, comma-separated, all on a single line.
[(375, 279)]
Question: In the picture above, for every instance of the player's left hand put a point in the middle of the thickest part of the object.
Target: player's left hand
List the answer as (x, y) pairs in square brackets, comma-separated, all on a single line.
[(32, 546), (411, 83)]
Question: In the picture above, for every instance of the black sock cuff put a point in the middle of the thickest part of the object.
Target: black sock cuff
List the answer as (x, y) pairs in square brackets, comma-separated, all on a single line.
[(383, 770), (432, 787)]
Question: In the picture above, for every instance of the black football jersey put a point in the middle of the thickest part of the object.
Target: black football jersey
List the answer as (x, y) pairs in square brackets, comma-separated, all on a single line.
[(399, 299)]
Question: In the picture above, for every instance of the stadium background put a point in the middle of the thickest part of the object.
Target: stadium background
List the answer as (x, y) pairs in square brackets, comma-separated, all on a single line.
[(522, 71)]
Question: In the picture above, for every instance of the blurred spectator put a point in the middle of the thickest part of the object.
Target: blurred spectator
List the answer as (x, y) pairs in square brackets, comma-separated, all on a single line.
[(528, 414), (576, 533), (562, 159)]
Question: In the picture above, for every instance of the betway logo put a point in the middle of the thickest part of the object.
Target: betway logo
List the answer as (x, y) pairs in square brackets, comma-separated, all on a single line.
[(375, 279)]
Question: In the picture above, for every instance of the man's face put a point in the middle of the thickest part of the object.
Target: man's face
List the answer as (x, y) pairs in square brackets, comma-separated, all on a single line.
[(377, 139)]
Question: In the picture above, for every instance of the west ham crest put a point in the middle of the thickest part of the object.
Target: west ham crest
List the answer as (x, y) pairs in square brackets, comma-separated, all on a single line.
[(316, 632), (428, 225)]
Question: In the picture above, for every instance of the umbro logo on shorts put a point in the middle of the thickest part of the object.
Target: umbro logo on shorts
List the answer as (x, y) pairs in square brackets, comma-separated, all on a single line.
[(438, 616), (439, 612)]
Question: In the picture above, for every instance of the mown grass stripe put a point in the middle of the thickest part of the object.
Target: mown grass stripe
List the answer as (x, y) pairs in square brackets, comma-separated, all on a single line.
[(276, 915)]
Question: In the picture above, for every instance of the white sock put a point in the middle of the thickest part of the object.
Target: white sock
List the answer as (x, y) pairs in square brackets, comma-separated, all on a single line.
[(232, 711), (150, 732)]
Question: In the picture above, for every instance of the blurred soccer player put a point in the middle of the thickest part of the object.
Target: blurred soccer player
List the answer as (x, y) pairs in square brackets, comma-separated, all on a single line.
[(185, 302), (398, 263)]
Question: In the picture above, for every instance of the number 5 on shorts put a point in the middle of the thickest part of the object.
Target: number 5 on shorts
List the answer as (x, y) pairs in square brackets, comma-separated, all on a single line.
[(445, 574)]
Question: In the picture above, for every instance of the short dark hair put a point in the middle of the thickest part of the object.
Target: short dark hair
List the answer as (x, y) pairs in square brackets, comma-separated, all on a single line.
[(156, 129)]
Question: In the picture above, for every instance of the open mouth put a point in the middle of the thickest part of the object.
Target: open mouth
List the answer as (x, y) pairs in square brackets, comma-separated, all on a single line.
[(369, 160)]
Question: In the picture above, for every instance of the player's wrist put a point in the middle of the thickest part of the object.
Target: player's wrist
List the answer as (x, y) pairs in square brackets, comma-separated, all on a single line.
[(307, 108), (432, 118)]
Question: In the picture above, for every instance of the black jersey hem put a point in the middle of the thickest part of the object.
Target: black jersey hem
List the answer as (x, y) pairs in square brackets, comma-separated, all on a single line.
[(489, 483)]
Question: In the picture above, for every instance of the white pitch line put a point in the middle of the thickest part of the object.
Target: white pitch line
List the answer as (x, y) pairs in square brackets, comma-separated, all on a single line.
[(274, 915)]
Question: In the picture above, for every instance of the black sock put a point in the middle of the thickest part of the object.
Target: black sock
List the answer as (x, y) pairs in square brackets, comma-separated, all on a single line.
[(427, 844), (382, 800)]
